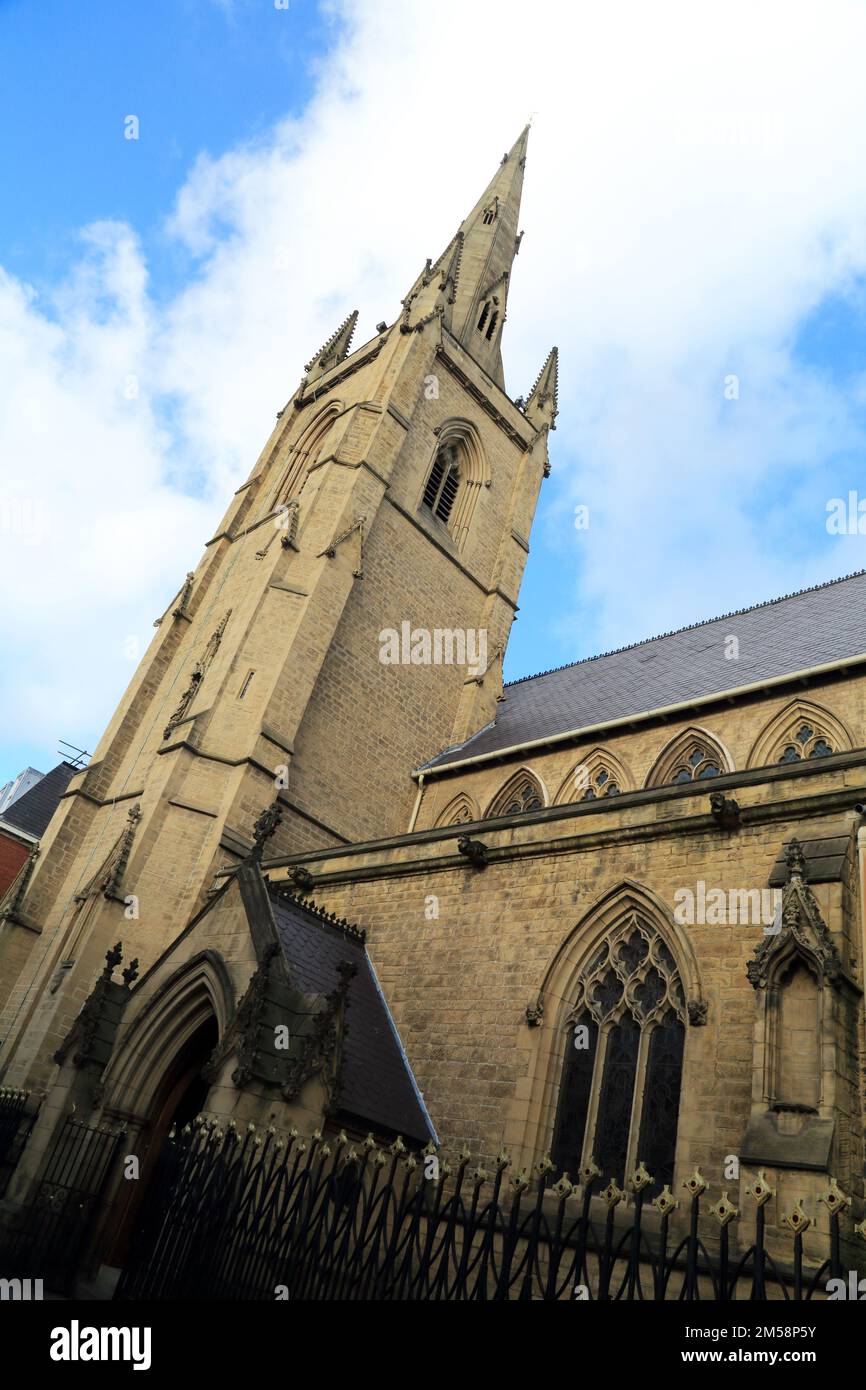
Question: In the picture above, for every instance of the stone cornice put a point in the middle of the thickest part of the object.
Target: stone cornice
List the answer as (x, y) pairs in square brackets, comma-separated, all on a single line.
[(781, 810), (351, 365), (483, 399)]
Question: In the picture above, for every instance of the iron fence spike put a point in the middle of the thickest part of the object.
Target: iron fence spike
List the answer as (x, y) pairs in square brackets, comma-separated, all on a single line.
[(696, 1184), (760, 1189)]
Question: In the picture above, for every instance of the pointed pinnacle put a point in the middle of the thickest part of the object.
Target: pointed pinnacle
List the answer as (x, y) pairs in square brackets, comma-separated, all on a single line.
[(335, 349), (451, 270), (542, 405)]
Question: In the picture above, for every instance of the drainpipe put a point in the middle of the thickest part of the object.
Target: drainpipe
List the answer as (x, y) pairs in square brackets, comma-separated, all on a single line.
[(417, 806), (860, 808)]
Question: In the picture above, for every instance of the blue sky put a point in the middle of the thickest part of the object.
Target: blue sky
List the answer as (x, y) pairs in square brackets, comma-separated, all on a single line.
[(690, 217), (201, 76)]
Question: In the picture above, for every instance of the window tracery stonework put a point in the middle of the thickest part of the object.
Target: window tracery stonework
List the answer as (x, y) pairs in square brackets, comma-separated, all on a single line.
[(522, 793), (601, 784), (693, 756), (632, 971), (459, 811), (599, 774), (698, 764), (800, 732), (807, 742), (456, 476), (620, 1087)]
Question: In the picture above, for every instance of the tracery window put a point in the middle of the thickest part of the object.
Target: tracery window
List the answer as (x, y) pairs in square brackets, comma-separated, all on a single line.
[(806, 743), (800, 732), (694, 755), (523, 793), (599, 774), (620, 1088), (700, 763), (601, 784), (459, 811), (458, 474)]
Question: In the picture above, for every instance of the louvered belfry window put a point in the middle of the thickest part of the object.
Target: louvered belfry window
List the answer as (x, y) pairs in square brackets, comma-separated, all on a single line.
[(444, 480)]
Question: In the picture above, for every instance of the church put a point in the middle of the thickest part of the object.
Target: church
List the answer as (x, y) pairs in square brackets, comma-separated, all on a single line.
[(325, 873)]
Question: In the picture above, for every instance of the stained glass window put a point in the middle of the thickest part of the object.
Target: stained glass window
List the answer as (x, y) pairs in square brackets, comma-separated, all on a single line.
[(615, 1102), (575, 1094), (658, 1131), (630, 997)]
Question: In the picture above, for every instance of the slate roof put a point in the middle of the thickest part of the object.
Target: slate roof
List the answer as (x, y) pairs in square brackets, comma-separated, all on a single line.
[(825, 859), (378, 1086), (32, 811), (793, 633)]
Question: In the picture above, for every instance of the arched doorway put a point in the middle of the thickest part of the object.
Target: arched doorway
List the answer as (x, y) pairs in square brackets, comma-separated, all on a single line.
[(179, 1097)]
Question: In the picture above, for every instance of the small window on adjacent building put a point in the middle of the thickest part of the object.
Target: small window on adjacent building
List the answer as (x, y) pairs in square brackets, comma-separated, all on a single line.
[(443, 482)]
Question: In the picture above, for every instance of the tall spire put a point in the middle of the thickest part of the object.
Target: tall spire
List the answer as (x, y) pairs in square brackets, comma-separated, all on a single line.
[(468, 284)]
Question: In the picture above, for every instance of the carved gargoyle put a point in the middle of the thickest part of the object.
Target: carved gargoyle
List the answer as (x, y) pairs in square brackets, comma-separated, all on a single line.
[(301, 879), (725, 811), (474, 850)]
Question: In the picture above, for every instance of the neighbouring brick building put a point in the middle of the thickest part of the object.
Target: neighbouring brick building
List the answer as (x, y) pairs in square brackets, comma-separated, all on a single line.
[(613, 912), (23, 823)]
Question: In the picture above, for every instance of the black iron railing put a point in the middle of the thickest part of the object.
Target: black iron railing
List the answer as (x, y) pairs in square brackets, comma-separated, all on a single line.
[(246, 1215), (16, 1122), (53, 1230)]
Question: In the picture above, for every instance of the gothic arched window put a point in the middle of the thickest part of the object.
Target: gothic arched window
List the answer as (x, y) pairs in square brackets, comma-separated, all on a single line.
[(698, 764), (692, 756), (798, 733), (620, 1090), (303, 455), (522, 793), (458, 473), (598, 775), (458, 811), (601, 784), (806, 743)]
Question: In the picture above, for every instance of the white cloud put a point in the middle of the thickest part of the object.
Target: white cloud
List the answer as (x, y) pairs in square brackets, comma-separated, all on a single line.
[(695, 186)]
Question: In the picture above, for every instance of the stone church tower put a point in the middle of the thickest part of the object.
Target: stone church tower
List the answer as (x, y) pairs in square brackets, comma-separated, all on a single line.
[(395, 493)]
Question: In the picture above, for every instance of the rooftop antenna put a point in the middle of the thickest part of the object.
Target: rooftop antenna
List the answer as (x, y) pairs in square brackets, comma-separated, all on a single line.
[(81, 754)]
